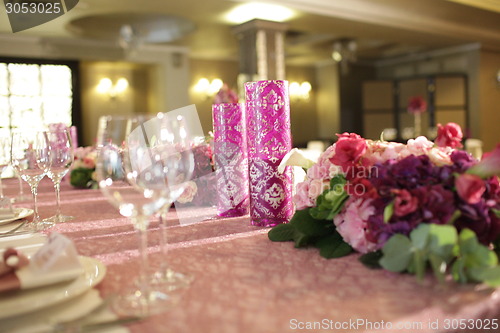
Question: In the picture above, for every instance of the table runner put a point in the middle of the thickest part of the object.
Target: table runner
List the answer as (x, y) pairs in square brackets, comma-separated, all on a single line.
[(245, 283)]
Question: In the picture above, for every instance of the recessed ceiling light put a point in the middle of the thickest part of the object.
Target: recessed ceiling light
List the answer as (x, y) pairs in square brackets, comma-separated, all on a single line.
[(263, 11)]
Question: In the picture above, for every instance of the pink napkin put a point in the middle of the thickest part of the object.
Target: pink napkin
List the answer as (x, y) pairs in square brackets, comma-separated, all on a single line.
[(56, 261)]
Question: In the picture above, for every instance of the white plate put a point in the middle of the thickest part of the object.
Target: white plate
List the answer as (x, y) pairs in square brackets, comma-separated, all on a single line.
[(19, 213), (24, 301)]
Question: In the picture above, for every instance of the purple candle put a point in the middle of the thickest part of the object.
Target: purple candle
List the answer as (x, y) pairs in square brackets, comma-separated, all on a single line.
[(269, 140), (231, 159)]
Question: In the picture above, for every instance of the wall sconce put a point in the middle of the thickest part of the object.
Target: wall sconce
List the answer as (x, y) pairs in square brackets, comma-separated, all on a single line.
[(106, 87), (208, 88), (300, 91)]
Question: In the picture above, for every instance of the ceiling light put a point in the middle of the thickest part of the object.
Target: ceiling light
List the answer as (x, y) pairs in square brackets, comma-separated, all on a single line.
[(263, 11)]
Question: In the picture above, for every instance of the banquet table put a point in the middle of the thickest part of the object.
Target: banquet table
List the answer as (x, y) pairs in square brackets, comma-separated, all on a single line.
[(245, 283)]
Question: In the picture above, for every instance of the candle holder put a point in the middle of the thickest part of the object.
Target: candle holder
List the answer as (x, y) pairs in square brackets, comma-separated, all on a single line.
[(269, 140), (231, 159)]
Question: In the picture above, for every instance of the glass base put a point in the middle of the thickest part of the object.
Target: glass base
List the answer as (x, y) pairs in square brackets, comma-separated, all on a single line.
[(38, 226), (20, 198), (59, 218), (268, 222), (233, 212), (135, 303), (170, 280)]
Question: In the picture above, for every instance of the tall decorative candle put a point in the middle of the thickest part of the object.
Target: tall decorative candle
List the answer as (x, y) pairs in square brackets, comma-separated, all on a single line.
[(269, 140), (231, 159)]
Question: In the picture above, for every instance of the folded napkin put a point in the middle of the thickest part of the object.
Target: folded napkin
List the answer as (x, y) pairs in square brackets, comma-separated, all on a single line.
[(54, 262)]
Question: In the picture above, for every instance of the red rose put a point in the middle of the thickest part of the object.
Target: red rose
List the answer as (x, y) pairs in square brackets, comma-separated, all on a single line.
[(470, 188), (348, 150), (404, 203), (449, 135)]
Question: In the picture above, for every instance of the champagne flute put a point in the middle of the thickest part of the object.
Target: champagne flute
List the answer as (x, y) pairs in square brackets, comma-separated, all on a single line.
[(29, 151), (59, 162), (133, 177)]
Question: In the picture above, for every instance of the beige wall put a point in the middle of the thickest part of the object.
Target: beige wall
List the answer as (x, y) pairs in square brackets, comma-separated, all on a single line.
[(489, 99), (227, 71), (303, 113), (95, 104)]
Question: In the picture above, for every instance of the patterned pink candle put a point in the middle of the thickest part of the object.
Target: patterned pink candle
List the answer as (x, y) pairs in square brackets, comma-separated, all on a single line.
[(231, 159), (269, 140)]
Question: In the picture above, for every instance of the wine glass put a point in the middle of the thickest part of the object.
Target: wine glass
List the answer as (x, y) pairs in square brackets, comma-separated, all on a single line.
[(29, 152), (4, 156), (57, 166), (136, 171), (181, 139)]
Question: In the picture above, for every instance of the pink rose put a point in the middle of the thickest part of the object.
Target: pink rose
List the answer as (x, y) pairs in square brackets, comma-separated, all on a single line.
[(470, 188), (404, 203), (301, 198), (349, 149), (189, 193), (351, 224), (449, 135), (489, 164), (316, 187), (419, 146)]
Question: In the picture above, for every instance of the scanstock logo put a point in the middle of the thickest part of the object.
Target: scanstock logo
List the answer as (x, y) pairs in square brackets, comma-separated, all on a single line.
[(26, 14)]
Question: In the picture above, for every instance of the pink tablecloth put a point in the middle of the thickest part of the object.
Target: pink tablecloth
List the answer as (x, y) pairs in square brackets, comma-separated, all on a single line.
[(245, 283)]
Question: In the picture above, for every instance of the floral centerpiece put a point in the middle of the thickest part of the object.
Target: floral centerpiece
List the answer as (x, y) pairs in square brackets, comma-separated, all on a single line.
[(403, 206), (201, 188), (82, 174)]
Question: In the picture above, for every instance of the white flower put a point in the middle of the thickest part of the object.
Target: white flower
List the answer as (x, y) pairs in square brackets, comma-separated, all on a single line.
[(295, 157)]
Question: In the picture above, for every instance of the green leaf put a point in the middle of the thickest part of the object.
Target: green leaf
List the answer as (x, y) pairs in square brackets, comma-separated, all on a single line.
[(488, 275), (388, 212), (333, 246), (303, 222), (281, 233), (418, 264), (396, 253), (496, 212), (371, 259), (420, 236), (442, 239), (301, 240), (439, 266), (458, 271), (456, 214)]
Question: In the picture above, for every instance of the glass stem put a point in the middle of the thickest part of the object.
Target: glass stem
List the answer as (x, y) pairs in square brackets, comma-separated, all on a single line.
[(21, 192), (34, 191), (57, 186), (144, 266), (164, 250)]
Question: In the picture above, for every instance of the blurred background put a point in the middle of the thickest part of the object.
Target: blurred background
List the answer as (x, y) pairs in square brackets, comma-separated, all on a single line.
[(352, 65)]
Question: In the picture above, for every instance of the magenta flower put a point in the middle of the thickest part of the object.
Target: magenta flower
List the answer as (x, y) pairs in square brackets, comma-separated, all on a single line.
[(449, 135), (417, 105)]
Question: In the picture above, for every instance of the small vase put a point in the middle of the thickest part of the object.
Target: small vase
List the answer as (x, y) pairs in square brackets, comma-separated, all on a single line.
[(231, 159), (269, 140)]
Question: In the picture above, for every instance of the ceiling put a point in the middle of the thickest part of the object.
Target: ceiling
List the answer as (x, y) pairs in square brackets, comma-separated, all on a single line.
[(383, 29)]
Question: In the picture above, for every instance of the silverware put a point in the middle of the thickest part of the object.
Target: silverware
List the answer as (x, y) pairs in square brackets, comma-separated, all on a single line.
[(91, 327), (13, 230)]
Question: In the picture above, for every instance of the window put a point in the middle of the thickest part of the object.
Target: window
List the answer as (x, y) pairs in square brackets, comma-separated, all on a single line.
[(34, 94)]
